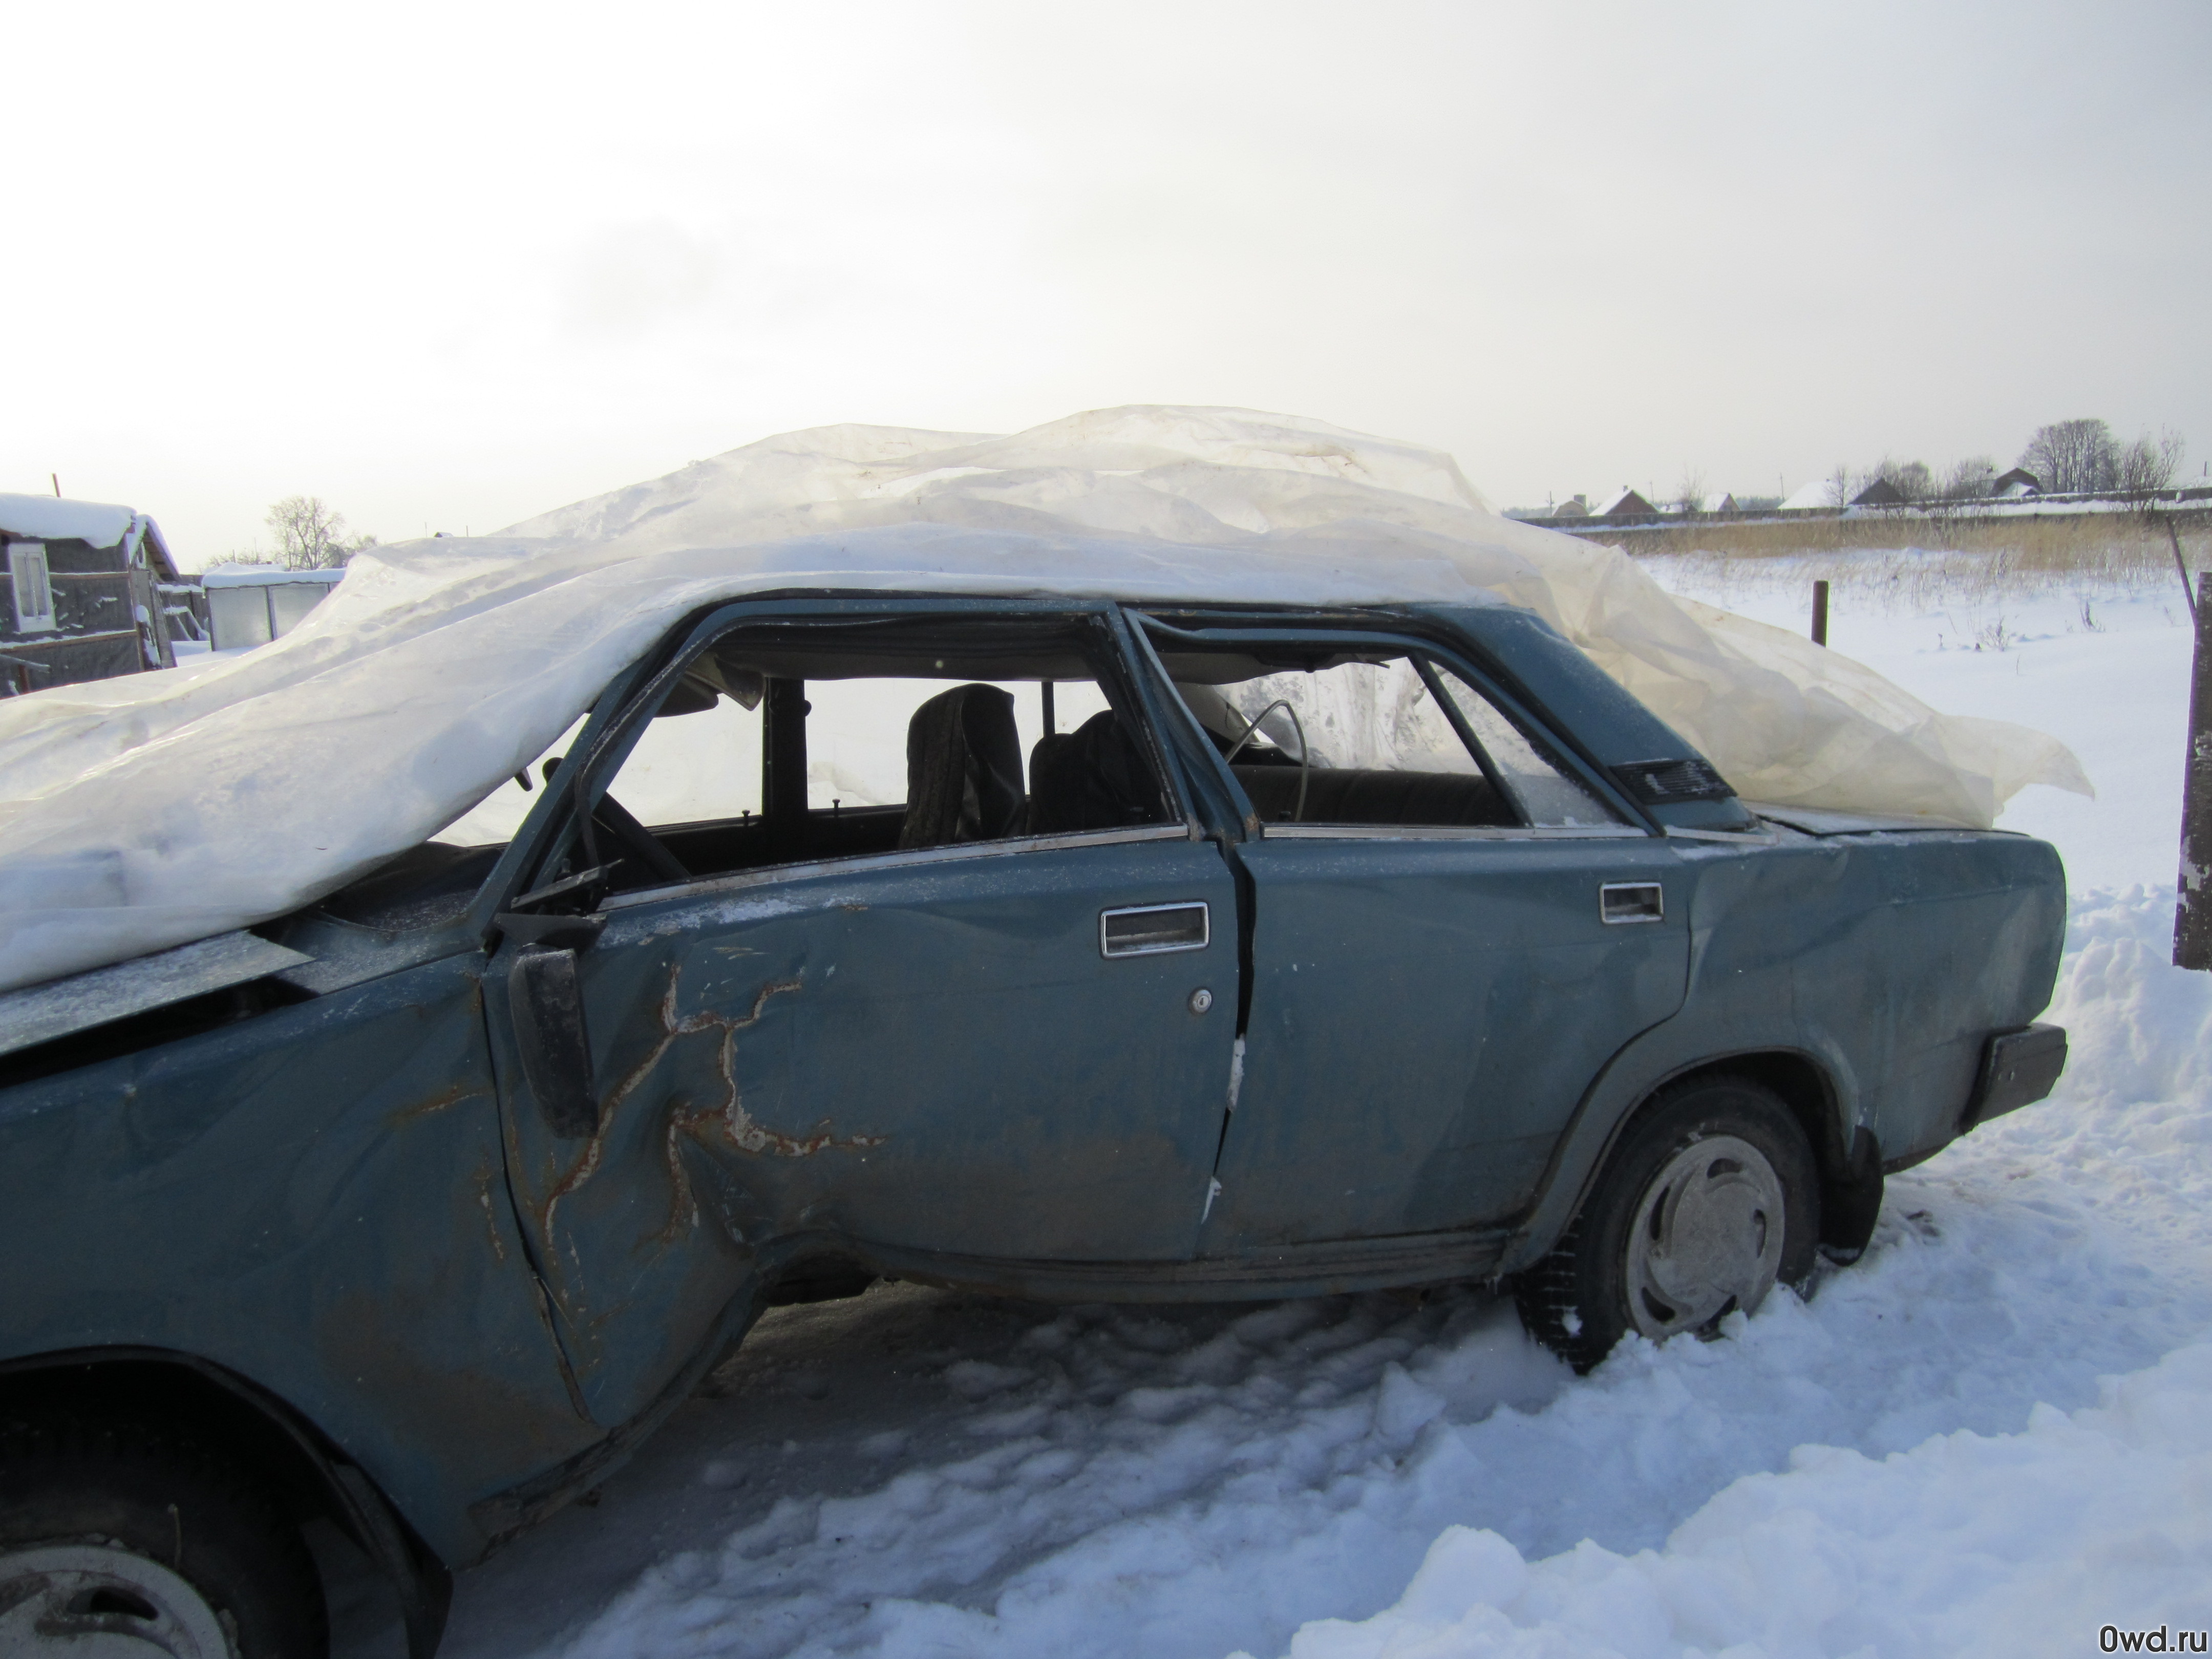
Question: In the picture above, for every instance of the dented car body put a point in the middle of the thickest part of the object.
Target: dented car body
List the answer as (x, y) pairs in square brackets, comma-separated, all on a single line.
[(451, 1186)]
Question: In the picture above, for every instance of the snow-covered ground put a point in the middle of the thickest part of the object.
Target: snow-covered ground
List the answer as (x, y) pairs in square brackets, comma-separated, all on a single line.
[(1993, 1434)]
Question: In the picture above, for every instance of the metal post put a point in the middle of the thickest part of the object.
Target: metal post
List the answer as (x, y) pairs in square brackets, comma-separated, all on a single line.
[(2192, 914), (783, 770), (2179, 563), (1819, 613)]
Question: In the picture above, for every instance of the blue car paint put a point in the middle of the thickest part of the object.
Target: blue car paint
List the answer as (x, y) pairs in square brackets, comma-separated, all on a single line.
[(315, 1200), (1392, 1083), (352, 1203), (929, 1054)]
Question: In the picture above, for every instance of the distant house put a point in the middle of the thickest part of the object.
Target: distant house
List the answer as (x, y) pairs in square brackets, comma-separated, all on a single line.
[(1722, 502), (1626, 500), (2017, 483), (1880, 493), (92, 591), (1573, 508), (1821, 492)]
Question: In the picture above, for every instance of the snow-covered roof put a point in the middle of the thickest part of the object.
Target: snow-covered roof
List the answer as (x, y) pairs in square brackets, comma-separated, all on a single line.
[(1821, 492), (97, 524), (160, 808), (1623, 499), (47, 518), (267, 576)]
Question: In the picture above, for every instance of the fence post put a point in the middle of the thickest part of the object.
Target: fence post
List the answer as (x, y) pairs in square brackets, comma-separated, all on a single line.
[(2192, 911), (1819, 613)]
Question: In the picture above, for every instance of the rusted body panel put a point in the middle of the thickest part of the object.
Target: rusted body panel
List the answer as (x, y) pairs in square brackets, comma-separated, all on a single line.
[(926, 1056), (1408, 1060), (315, 1200)]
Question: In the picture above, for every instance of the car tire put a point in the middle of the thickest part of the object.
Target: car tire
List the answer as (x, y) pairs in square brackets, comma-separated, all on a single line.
[(1682, 1227), (119, 1530)]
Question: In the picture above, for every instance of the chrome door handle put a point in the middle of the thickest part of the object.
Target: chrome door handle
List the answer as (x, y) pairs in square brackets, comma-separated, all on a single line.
[(1621, 902), (1145, 930)]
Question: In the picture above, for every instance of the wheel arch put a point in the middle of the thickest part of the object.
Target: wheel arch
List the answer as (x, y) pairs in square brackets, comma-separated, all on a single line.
[(308, 1476), (1816, 1088)]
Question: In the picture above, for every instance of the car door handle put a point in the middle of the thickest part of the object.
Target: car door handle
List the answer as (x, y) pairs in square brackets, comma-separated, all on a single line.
[(1623, 902), (1145, 930)]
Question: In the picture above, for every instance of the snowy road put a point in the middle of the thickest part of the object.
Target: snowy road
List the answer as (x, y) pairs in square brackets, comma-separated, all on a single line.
[(920, 1473)]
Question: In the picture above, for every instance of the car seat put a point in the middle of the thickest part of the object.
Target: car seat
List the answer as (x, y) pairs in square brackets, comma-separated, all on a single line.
[(963, 768), (1092, 778)]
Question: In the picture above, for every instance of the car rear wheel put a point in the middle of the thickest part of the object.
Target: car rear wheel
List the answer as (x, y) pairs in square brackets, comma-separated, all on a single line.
[(1709, 1199), (120, 1543)]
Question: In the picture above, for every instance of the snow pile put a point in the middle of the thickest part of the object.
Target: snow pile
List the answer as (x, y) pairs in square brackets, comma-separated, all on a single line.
[(148, 811), (2026, 1542), (2020, 1543)]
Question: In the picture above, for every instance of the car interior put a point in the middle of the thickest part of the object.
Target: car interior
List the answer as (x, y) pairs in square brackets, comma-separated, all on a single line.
[(1318, 737), (788, 743), (875, 737)]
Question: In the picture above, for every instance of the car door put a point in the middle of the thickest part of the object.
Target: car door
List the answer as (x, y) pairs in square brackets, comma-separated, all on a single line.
[(990, 1049), (1434, 984)]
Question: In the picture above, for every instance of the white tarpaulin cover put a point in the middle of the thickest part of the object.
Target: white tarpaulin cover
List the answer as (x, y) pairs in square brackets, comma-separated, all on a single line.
[(142, 812)]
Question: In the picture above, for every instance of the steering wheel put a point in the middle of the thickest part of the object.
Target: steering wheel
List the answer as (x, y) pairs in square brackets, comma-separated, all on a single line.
[(1305, 755), (617, 821), (611, 815)]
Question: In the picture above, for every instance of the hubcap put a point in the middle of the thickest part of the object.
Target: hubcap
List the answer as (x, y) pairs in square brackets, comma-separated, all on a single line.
[(1707, 1238), (100, 1602)]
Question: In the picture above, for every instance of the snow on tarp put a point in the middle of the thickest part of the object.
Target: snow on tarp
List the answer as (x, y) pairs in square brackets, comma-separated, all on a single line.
[(147, 811)]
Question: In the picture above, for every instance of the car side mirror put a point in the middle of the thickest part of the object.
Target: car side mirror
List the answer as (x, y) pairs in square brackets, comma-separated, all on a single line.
[(547, 1003)]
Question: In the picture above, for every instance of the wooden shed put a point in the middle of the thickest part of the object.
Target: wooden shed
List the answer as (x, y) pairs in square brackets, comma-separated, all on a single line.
[(91, 592)]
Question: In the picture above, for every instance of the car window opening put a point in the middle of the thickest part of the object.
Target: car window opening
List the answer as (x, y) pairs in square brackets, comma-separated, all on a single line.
[(776, 748), (1388, 740)]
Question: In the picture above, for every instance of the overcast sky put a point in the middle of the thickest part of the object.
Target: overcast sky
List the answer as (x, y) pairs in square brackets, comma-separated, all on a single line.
[(447, 266)]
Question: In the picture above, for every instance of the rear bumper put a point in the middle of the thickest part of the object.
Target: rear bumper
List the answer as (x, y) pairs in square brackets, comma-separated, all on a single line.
[(2018, 1068)]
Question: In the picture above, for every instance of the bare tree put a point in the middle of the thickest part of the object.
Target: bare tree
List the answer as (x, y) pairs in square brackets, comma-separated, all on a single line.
[(2072, 456), (2147, 465), (1843, 484), (1911, 479), (310, 536), (1690, 493), (1970, 479)]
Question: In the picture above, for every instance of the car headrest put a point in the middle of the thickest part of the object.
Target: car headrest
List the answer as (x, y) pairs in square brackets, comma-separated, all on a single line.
[(1092, 778), (963, 768)]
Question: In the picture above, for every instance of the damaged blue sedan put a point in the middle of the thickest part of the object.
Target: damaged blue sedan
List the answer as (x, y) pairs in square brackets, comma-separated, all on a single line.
[(1054, 948)]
